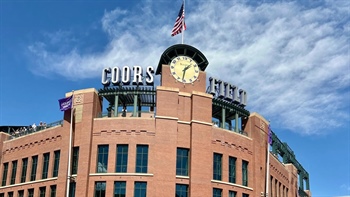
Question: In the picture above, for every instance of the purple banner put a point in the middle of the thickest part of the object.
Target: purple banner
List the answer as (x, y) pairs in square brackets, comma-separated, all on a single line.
[(65, 103), (270, 136)]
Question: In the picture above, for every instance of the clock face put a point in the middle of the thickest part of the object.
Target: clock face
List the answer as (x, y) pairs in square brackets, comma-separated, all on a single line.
[(184, 69)]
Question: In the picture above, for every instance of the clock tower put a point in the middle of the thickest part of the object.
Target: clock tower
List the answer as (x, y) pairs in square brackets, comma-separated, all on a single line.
[(182, 66), (184, 114)]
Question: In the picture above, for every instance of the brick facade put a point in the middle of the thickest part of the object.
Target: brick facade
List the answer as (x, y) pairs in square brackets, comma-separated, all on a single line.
[(182, 120)]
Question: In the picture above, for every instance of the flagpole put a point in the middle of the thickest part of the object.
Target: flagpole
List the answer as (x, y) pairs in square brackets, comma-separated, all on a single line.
[(268, 162), (183, 23), (70, 146)]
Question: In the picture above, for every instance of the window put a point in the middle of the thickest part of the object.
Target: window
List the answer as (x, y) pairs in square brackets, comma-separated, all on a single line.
[(45, 165), (100, 189), (182, 161), (119, 188), (10, 194), (42, 191), (232, 169), (31, 192), (56, 163), (34, 166), (102, 158), (245, 173), (21, 193), (13, 172), (140, 189), (24, 170), (271, 187), (232, 194), (217, 192), (75, 160), (276, 183), (72, 186), (245, 195), (4, 174), (53, 191), (122, 158), (217, 166), (141, 158), (181, 190)]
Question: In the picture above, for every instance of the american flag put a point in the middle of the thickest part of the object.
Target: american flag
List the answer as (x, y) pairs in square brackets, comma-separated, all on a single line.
[(180, 20)]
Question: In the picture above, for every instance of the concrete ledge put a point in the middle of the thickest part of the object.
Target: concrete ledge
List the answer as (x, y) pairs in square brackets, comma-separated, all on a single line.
[(120, 174), (169, 89), (167, 117), (201, 122), (183, 122), (182, 177), (232, 184), (30, 182)]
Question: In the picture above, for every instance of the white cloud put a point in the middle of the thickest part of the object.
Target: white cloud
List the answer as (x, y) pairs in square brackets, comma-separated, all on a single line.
[(293, 60)]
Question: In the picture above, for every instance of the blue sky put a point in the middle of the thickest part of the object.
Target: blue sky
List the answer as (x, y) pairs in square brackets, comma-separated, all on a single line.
[(292, 57)]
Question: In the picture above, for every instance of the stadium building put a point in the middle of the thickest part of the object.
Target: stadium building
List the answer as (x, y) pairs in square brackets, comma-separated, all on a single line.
[(189, 136)]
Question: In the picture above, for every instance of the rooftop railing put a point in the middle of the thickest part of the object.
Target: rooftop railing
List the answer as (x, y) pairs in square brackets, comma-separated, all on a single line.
[(122, 114), (30, 129), (230, 128)]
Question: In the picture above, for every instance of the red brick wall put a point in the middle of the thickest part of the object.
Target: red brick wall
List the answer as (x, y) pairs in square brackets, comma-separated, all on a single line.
[(183, 119)]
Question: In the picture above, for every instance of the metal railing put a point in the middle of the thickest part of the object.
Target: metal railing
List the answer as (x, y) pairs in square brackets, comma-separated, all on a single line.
[(121, 114), (233, 129), (29, 129)]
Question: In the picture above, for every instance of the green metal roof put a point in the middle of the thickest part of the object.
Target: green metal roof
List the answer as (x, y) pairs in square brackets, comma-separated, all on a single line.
[(182, 49), (146, 95), (288, 155), (231, 109)]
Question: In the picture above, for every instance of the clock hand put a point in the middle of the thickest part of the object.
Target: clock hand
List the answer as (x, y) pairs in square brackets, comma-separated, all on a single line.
[(187, 67), (184, 71)]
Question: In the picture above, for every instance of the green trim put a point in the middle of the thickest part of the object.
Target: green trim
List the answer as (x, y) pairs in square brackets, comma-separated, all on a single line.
[(231, 109), (288, 156), (182, 49), (146, 95)]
